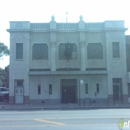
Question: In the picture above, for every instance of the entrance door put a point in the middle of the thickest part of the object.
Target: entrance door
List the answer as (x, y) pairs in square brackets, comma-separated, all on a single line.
[(68, 90), (117, 89), (18, 95), (116, 92), (68, 94)]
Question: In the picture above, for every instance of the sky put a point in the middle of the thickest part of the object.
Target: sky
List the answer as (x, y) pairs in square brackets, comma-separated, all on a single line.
[(42, 10)]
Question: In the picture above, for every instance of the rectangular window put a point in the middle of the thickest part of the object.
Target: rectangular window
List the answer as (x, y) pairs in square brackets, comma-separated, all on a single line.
[(129, 90), (95, 51), (50, 88), (128, 56), (86, 88), (39, 89), (19, 50), (115, 46), (19, 83), (40, 51), (67, 51), (97, 88)]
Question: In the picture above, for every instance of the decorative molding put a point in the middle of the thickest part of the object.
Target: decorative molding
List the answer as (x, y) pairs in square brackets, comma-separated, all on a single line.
[(53, 23), (18, 36), (53, 37), (53, 44), (82, 37), (81, 23), (82, 44)]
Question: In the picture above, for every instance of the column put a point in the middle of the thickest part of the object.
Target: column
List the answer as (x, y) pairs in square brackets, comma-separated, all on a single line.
[(53, 56), (83, 56), (53, 51)]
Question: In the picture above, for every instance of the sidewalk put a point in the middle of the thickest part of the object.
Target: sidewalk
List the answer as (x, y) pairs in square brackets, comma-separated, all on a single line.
[(45, 106)]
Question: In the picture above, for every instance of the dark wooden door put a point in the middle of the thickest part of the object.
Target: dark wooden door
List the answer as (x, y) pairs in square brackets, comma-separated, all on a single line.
[(116, 93), (68, 94)]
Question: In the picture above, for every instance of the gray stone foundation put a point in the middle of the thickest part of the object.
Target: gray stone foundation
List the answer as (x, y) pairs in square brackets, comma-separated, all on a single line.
[(93, 101), (26, 100), (45, 101), (11, 100), (110, 99), (125, 98)]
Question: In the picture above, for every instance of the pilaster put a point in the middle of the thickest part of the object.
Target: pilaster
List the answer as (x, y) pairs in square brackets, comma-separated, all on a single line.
[(53, 51), (83, 56), (11, 100), (82, 51), (26, 99)]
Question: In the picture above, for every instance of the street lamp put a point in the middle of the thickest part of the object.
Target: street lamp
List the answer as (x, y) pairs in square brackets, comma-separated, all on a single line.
[(81, 82)]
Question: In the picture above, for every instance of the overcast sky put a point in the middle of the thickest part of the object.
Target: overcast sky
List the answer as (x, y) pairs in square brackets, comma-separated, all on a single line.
[(42, 10)]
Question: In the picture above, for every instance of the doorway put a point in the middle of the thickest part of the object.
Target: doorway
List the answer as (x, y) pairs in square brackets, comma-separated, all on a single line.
[(19, 95), (19, 91), (68, 90), (117, 90)]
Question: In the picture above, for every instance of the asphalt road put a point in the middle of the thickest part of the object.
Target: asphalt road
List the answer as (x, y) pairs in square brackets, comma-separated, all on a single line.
[(93, 119)]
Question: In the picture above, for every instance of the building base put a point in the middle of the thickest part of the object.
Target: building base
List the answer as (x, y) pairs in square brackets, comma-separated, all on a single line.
[(11, 100), (46, 101), (26, 99), (110, 99), (125, 98)]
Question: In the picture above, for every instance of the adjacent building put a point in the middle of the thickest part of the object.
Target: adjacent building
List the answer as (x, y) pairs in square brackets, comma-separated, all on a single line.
[(68, 62)]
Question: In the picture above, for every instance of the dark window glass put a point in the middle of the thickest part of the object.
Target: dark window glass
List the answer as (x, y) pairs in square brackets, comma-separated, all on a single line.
[(129, 90), (117, 89), (67, 51), (97, 88), (50, 88), (19, 50), (115, 46), (61, 51), (95, 51), (128, 56), (86, 88), (19, 82), (40, 51), (39, 89)]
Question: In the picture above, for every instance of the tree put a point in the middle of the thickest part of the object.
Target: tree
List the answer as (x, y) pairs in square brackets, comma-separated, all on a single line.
[(3, 50), (2, 73)]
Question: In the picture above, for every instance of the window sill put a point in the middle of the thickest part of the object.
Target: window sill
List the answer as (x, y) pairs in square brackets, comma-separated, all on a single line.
[(18, 59), (39, 59), (68, 59), (116, 58)]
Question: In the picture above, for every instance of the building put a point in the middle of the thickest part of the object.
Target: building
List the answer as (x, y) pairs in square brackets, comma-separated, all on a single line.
[(68, 62)]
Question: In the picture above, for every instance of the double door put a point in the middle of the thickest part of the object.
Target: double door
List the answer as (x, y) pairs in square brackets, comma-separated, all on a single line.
[(68, 90), (68, 94)]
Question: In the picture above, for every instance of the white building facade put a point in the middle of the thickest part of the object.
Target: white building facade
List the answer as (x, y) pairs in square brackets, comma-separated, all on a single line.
[(67, 62)]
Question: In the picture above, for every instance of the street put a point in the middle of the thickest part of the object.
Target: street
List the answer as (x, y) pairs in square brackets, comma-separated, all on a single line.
[(91, 119)]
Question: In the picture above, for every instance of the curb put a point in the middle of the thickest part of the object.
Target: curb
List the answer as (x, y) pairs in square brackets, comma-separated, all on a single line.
[(63, 108)]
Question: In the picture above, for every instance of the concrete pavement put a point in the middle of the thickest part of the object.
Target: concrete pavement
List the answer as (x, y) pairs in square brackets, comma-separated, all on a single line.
[(92, 119)]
